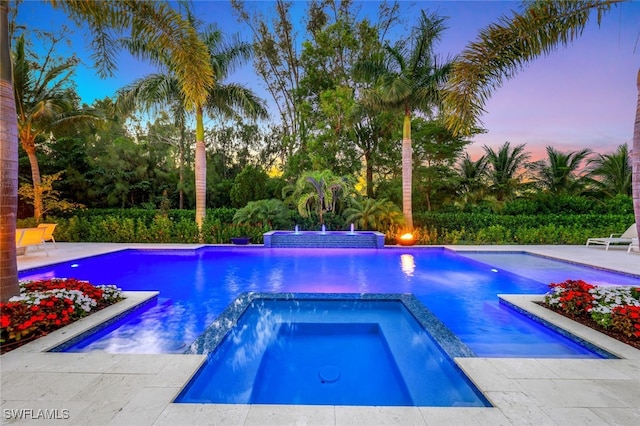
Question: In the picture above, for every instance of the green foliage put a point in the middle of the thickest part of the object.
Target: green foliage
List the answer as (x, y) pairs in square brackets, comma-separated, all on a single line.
[(249, 185), (318, 192), (272, 212), (373, 214), (50, 197)]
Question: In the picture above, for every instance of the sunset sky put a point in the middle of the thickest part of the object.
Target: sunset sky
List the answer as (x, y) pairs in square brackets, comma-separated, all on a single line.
[(581, 96)]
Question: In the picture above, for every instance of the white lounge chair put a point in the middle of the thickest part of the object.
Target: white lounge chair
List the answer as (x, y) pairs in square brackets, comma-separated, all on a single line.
[(634, 246), (625, 238)]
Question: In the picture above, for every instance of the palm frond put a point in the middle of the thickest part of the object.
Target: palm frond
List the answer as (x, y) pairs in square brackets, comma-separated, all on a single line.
[(504, 48)]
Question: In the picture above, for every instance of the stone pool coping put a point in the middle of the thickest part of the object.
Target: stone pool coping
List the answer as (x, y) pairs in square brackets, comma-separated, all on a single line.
[(528, 304)]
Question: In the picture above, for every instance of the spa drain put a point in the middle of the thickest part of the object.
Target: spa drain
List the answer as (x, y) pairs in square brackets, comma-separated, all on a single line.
[(329, 374)]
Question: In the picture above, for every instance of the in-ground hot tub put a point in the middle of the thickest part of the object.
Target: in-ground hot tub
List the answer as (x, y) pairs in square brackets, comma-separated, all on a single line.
[(336, 349)]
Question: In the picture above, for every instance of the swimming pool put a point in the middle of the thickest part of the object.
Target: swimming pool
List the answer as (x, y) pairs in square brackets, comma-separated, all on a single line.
[(196, 285)]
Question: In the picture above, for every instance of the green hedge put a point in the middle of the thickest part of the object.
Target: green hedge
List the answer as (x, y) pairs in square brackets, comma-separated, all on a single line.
[(178, 226)]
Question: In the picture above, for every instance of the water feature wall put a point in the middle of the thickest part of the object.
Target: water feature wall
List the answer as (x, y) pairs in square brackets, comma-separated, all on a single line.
[(324, 239)]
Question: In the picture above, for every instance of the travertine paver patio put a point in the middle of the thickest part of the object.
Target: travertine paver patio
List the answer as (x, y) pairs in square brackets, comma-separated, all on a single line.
[(100, 388)]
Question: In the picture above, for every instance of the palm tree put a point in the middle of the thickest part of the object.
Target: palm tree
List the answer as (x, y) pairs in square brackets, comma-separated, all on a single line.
[(559, 172), (372, 214), (473, 176), (611, 173), (8, 164), (148, 20), (43, 103), (408, 77), (504, 48), (318, 191), (505, 167), (222, 99)]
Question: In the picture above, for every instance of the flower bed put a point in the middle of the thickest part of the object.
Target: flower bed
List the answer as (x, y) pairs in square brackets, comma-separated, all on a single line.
[(46, 305), (613, 310)]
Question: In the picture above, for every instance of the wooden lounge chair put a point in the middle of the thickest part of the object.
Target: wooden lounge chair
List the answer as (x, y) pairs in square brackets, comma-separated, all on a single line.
[(29, 237), (48, 233), (625, 238)]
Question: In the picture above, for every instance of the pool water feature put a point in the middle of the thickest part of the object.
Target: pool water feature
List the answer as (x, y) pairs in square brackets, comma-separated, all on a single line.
[(317, 349), (196, 286), (324, 239)]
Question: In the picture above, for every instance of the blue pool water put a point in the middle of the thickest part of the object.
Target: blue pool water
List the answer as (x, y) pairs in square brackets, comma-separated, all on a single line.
[(196, 285), (319, 351)]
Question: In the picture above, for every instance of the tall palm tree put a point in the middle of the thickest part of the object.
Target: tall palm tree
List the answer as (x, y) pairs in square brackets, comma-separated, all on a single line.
[(505, 169), (43, 103), (502, 49), (155, 21), (407, 78), (611, 173), (8, 165), (559, 172), (222, 100)]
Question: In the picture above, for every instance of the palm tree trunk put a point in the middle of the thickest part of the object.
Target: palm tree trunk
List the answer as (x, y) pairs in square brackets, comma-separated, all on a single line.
[(635, 161), (201, 170), (407, 165), (181, 168), (8, 166), (369, 173), (30, 149)]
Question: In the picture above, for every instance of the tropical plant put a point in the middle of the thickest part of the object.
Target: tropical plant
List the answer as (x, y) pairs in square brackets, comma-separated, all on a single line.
[(505, 171), (408, 77), (261, 212), (317, 191), (559, 173), (44, 102), (611, 173), (153, 21), (504, 48), (473, 174), (372, 214)]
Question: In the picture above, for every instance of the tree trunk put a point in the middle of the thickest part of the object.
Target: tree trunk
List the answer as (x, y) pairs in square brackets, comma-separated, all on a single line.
[(406, 171), (201, 170), (181, 171), (30, 148), (635, 161), (8, 166), (369, 173)]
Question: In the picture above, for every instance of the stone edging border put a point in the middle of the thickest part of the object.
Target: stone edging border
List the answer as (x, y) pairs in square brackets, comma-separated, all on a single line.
[(526, 304)]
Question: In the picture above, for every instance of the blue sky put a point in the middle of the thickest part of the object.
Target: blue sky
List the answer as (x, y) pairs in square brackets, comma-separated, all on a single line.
[(581, 96)]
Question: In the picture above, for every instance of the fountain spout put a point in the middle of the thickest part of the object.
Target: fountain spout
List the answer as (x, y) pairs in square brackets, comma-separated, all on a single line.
[(324, 229), (351, 231), (296, 230)]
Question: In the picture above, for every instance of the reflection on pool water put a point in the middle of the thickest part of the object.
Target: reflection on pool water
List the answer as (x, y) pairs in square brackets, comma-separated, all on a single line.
[(196, 285), (307, 349)]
